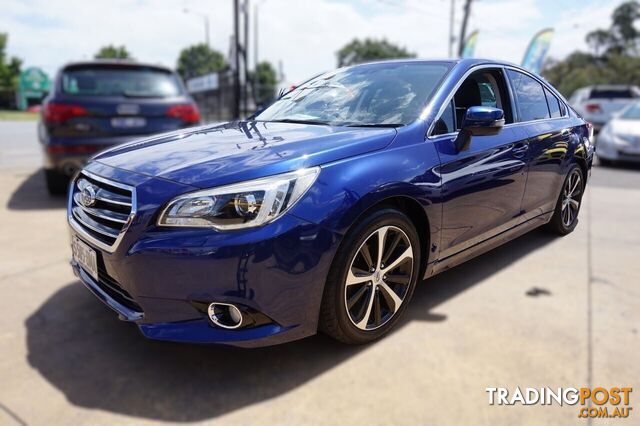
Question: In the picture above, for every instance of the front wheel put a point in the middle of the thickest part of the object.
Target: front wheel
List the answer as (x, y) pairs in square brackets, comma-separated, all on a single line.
[(565, 216), (372, 279), (57, 182)]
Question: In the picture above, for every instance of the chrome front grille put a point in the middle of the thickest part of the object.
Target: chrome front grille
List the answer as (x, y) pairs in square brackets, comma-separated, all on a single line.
[(101, 210)]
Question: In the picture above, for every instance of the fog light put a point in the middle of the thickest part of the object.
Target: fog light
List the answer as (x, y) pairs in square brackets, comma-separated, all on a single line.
[(225, 315)]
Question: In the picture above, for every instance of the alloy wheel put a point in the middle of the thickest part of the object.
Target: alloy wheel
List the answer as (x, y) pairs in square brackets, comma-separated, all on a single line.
[(378, 278), (571, 198)]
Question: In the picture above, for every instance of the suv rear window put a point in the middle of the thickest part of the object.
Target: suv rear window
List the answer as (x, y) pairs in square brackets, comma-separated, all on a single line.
[(142, 82), (611, 94)]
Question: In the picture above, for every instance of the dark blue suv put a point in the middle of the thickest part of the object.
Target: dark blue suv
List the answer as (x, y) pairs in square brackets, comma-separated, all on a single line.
[(325, 211), (94, 105)]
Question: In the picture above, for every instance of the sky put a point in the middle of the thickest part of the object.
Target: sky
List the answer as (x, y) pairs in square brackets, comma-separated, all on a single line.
[(303, 35)]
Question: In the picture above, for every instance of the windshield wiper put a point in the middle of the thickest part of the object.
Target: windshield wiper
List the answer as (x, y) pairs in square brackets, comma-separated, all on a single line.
[(301, 121)]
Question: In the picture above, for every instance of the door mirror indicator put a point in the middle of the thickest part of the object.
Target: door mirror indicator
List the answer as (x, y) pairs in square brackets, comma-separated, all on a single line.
[(479, 121)]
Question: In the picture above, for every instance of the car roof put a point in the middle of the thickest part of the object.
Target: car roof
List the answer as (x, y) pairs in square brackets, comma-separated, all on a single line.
[(115, 63), (464, 63)]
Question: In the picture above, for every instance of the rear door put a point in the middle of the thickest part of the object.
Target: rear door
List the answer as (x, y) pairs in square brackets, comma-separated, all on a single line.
[(483, 186), (545, 120)]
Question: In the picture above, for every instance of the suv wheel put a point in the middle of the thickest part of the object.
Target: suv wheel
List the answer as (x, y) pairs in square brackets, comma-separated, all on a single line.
[(57, 182)]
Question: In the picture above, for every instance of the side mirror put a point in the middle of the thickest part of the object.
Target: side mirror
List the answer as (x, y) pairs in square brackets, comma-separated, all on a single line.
[(479, 121)]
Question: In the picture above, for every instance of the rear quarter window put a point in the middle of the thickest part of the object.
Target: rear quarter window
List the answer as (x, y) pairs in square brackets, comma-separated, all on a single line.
[(555, 106)]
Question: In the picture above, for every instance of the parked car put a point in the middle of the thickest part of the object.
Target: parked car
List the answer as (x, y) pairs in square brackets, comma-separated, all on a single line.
[(327, 209), (597, 103), (96, 104), (619, 139)]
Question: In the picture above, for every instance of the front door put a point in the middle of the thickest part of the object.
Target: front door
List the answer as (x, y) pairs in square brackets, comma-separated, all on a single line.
[(482, 187)]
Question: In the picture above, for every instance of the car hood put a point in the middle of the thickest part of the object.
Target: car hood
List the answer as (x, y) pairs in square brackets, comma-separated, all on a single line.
[(219, 154)]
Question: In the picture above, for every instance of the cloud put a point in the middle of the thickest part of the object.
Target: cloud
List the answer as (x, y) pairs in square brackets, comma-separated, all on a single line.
[(303, 35)]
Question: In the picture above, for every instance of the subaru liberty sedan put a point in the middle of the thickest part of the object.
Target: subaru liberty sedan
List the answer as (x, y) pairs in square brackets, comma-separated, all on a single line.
[(97, 104), (327, 209)]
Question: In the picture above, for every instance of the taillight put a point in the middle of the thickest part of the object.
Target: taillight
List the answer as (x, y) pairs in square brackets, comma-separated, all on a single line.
[(186, 112), (72, 149), (593, 108), (59, 113)]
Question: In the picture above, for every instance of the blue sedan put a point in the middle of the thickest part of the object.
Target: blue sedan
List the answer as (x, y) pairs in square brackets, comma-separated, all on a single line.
[(324, 211)]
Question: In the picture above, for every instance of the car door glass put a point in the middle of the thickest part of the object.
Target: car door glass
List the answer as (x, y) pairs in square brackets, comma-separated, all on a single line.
[(487, 95), (530, 98), (554, 104), (446, 123)]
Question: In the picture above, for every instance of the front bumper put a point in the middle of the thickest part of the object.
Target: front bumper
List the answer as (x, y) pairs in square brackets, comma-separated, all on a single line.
[(277, 270)]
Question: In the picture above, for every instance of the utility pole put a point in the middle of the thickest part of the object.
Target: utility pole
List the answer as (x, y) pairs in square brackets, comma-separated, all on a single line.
[(451, 20), (463, 29), (255, 36), (236, 59), (245, 48)]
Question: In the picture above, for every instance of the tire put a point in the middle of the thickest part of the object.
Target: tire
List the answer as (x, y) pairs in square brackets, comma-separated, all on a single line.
[(565, 216), (365, 309), (606, 163), (57, 182)]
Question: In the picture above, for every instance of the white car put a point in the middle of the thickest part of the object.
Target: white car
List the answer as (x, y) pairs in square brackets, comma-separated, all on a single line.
[(619, 139), (596, 104)]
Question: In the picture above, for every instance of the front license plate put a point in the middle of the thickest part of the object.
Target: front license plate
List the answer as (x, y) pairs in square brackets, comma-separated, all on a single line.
[(128, 122), (85, 256)]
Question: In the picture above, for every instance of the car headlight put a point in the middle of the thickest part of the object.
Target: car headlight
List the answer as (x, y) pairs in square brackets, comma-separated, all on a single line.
[(241, 205)]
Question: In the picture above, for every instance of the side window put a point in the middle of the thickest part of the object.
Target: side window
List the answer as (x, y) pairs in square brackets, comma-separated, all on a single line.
[(487, 95), (446, 123), (554, 104), (530, 99), (486, 87)]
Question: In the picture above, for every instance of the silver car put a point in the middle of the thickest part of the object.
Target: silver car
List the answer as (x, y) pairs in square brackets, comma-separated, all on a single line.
[(597, 103), (619, 139)]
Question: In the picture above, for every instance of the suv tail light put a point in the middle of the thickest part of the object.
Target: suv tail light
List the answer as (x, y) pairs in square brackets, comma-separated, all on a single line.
[(593, 108), (59, 113), (186, 112)]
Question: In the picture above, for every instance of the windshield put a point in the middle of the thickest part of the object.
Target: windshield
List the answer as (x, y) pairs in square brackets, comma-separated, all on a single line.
[(129, 81), (391, 94), (632, 113)]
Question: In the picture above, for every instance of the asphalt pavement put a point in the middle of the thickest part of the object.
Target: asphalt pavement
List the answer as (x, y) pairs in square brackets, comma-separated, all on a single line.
[(538, 311)]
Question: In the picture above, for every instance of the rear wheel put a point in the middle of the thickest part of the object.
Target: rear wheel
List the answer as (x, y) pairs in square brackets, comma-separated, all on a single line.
[(606, 163), (372, 278), (57, 182), (565, 216)]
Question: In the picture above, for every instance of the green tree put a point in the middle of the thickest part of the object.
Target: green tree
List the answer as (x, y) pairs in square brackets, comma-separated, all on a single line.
[(622, 36), (613, 59), (113, 52), (9, 68), (265, 81), (198, 60), (359, 51)]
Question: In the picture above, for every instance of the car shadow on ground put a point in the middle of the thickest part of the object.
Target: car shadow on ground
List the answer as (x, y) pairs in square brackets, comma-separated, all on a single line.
[(100, 363), (32, 194)]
